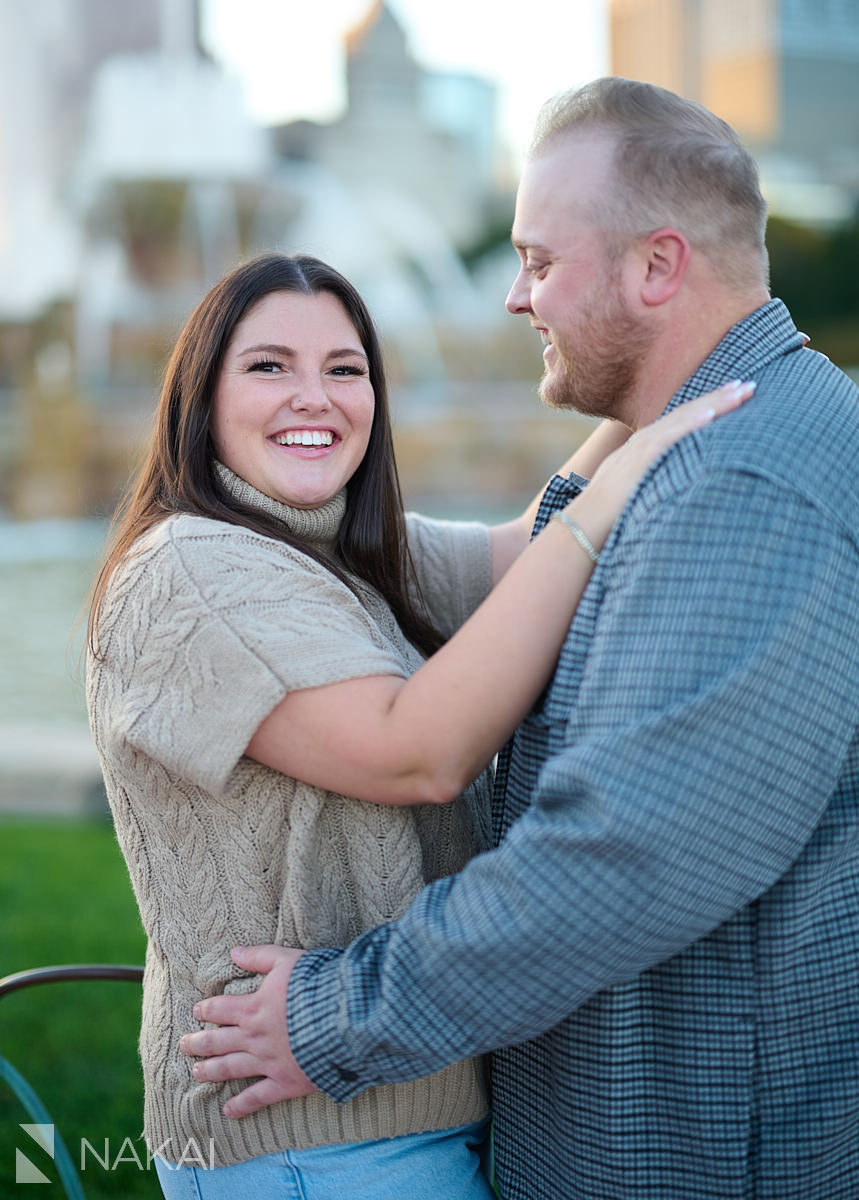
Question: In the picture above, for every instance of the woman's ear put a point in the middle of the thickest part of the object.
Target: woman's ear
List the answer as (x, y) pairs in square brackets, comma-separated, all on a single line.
[(665, 256)]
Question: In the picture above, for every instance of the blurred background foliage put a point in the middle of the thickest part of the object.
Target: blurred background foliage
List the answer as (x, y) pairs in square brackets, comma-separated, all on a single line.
[(816, 273)]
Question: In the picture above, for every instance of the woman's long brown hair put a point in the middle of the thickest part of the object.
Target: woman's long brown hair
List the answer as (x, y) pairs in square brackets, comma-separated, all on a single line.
[(178, 474)]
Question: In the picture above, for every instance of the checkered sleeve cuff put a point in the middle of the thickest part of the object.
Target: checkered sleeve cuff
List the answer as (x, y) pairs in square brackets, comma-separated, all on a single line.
[(313, 1004)]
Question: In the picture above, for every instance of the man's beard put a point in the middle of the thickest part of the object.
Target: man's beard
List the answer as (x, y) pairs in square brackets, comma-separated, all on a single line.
[(598, 376)]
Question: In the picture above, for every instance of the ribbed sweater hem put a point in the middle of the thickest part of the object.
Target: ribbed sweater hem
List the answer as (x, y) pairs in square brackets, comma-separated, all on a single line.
[(190, 1128)]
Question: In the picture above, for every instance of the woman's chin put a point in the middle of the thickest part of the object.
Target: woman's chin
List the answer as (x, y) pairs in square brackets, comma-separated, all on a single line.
[(307, 500)]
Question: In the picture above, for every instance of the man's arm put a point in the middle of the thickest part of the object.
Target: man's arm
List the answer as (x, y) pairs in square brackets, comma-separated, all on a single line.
[(715, 709)]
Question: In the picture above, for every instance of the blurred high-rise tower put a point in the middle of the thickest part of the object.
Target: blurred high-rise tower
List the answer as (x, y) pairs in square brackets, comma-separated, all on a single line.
[(784, 73)]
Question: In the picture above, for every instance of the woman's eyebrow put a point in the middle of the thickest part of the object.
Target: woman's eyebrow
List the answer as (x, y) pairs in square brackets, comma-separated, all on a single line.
[(346, 352), (269, 348), (289, 352)]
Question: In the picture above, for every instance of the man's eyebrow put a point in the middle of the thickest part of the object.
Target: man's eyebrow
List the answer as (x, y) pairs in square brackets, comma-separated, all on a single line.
[(523, 246)]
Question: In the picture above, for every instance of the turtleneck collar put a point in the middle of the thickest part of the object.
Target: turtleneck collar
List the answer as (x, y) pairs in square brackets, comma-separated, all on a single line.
[(319, 525)]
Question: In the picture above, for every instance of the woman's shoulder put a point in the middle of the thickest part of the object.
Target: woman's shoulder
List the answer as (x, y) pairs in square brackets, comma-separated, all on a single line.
[(203, 561), (183, 529), (206, 541)]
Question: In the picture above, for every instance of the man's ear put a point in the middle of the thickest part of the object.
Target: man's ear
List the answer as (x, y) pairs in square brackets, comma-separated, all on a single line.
[(665, 257)]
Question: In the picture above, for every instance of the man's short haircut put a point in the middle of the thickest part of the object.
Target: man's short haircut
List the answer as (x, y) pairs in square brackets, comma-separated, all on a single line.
[(675, 164)]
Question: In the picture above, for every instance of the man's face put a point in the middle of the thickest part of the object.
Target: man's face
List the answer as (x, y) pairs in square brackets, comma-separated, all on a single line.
[(569, 283)]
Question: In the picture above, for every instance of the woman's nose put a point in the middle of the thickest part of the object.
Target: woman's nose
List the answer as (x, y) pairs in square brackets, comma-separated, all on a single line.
[(310, 395)]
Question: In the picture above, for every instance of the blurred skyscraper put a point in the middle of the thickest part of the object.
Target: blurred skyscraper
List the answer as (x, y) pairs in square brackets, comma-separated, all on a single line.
[(784, 73), (426, 137)]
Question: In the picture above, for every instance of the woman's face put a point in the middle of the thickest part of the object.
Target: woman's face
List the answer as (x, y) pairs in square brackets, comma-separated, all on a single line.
[(293, 403)]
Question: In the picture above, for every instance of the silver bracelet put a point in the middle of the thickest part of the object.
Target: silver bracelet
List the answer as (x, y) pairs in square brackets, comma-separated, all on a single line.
[(579, 534)]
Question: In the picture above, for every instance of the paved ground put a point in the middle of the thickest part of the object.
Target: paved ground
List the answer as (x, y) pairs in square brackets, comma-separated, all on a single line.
[(49, 770)]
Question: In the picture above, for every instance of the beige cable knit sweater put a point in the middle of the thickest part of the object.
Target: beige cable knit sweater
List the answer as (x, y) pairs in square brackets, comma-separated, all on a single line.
[(206, 626)]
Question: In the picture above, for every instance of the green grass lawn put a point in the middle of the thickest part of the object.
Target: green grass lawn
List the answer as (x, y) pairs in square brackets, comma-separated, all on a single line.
[(65, 898)]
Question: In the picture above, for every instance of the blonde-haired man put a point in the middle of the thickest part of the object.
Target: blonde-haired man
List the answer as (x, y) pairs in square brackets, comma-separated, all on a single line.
[(662, 952)]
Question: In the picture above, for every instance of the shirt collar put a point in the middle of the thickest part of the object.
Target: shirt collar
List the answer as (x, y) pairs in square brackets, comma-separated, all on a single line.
[(744, 351)]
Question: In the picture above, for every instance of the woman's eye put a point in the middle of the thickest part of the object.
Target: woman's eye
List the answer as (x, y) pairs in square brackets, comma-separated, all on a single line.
[(348, 369), (537, 269), (265, 366)]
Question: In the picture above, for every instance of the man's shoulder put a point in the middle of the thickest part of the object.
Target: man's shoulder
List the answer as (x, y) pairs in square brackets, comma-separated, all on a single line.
[(799, 434), (801, 429), (810, 387)]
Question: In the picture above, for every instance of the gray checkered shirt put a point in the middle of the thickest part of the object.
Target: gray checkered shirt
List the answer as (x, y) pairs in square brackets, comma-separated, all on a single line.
[(666, 938)]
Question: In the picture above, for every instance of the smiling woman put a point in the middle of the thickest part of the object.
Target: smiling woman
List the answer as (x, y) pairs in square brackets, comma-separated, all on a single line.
[(294, 420), (285, 757)]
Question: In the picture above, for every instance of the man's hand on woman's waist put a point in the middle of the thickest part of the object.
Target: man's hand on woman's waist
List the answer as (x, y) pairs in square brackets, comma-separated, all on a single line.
[(252, 1038)]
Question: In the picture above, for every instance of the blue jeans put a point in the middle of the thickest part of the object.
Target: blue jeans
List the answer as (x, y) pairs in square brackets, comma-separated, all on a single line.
[(445, 1165)]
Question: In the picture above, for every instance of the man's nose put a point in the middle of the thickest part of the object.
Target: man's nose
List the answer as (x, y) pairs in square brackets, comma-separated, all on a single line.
[(519, 297)]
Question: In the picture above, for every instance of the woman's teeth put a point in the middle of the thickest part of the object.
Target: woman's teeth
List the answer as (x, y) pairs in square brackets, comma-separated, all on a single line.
[(304, 437)]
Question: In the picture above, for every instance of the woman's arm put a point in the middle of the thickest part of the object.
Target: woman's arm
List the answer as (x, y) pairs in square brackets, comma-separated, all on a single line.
[(510, 539), (422, 739)]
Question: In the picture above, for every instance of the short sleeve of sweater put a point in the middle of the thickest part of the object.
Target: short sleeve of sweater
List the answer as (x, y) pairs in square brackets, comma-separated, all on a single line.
[(453, 562), (209, 627)]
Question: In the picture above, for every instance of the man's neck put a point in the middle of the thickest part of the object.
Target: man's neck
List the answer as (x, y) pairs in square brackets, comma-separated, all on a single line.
[(680, 349)]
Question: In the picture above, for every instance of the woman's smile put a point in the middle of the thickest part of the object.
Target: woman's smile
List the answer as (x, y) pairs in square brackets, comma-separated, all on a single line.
[(305, 439)]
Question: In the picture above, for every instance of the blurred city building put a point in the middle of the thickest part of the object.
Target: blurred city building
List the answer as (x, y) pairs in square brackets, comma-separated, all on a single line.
[(131, 178), (53, 56), (118, 137), (428, 138), (397, 188), (784, 73)]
